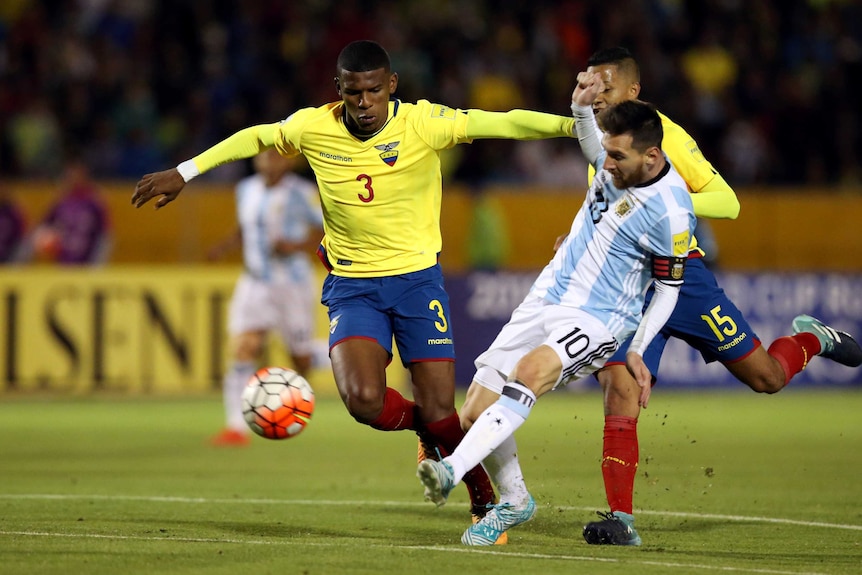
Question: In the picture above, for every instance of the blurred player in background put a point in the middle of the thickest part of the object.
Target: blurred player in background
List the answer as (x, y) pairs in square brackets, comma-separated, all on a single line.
[(632, 231), (377, 163), (704, 317), (76, 230), (280, 224)]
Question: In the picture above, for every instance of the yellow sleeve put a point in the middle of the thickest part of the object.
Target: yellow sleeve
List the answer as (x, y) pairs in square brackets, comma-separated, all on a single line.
[(518, 125), (712, 197), (716, 200), (243, 144)]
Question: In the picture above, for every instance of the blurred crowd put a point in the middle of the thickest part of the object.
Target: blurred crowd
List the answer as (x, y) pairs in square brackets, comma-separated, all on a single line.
[(769, 88)]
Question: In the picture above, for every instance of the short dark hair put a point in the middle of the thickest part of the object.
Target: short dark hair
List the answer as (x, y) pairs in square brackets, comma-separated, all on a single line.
[(362, 56), (634, 117), (619, 57)]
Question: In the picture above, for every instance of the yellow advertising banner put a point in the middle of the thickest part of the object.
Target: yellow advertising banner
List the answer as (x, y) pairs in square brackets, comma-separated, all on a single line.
[(154, 329)]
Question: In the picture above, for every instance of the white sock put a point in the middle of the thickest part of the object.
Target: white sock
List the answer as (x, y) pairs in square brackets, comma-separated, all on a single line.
[(504, 469), (492, 428), (234, 382)]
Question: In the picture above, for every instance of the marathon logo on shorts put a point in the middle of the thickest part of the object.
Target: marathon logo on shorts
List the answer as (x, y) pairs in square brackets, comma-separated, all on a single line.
[(389, 154), (440, 341), (333, 323), (738, 339)]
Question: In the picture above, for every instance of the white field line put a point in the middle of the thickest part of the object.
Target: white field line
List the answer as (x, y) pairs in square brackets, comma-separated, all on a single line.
[(246, 501), (439, 549)]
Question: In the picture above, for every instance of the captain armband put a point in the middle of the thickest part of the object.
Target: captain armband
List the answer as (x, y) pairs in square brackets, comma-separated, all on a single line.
[(669, 269)]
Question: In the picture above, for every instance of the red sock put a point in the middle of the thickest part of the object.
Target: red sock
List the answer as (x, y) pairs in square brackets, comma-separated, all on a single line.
[(448, 433), (620, 461), (397, 413), (794, 352)]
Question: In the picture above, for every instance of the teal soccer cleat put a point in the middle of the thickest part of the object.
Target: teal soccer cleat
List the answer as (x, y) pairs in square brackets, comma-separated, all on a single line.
[(497, 521), (615, 528), (836, 345), (438, 479)]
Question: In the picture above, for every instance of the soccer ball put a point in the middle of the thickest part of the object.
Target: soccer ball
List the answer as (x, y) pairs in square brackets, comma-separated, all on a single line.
[(277, 402)]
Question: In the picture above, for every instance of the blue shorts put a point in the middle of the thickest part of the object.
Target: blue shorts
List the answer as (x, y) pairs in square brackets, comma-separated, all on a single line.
[(413, 308), (704, 318)]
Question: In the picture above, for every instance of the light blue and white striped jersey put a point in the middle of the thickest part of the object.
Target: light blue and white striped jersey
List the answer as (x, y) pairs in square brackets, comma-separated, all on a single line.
[(605, 264), (288, 210)]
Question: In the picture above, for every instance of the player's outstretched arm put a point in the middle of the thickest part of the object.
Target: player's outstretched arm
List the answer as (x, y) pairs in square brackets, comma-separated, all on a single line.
[(169, 183), (517, 125)]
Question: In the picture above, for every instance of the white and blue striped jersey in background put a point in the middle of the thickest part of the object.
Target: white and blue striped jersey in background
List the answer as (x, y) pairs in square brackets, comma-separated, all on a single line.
[(605, 264), (288, 210)]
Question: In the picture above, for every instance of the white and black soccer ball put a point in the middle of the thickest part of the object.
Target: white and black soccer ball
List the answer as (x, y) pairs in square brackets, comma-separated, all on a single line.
[(277, 403)]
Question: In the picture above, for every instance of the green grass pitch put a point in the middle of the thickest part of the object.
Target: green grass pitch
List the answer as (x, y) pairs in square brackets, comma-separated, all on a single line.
[(729, 482)]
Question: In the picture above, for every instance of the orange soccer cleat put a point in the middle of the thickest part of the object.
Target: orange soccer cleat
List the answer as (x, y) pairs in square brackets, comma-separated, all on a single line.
[(230, 438)]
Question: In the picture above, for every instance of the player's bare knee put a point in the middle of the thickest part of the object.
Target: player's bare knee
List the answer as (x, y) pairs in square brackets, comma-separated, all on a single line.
[(766, 384), (621, 391), (363, 403)]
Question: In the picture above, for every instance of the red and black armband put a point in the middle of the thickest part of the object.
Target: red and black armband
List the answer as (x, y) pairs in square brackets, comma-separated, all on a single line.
[(669, 269)]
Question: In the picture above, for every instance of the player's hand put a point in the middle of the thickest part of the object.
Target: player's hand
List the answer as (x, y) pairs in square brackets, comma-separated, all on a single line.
[(590, 84), (167, 184), (643, 377)]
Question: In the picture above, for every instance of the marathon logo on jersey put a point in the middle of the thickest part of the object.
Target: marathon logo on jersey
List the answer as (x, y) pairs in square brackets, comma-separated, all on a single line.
[(445, 112), (389, 153), (336, 157)]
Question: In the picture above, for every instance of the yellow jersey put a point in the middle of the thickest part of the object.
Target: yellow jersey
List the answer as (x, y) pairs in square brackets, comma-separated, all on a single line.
[(381, 195)]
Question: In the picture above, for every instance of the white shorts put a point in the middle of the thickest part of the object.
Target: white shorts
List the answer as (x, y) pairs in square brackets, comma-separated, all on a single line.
[(582, 342), (286, 308)]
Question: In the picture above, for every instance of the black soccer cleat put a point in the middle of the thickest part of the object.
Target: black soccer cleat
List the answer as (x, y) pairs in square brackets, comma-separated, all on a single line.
[(839, 346), (616, 528)]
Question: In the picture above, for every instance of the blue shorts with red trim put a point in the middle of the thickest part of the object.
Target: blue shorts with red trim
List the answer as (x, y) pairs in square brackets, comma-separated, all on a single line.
[(704, 318), (412, 308)]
